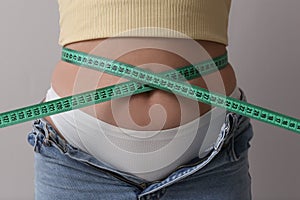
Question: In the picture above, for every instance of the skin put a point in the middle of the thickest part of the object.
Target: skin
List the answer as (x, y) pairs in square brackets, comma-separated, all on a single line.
[(154, 110)]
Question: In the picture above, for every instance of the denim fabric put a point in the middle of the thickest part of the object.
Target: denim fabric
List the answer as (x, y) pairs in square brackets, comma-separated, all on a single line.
[(65, 172)]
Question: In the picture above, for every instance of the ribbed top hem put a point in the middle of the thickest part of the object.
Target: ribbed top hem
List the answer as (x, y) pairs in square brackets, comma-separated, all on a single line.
[(92, 19)]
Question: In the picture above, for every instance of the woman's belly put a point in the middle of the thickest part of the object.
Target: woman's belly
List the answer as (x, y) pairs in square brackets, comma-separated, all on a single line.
[(154, 110)]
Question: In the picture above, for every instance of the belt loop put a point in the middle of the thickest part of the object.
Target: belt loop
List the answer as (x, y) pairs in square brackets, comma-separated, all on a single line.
[(51, 136), (231, 122), (46, 141)]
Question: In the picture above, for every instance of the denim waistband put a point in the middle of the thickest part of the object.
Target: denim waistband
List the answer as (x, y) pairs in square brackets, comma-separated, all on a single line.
[(44, 134)]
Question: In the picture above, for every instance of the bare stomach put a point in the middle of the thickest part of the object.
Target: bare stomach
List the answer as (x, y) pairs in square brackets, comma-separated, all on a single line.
[(154, 110)]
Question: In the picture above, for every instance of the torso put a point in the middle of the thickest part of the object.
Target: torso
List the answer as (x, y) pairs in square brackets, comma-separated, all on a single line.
[(167, 112)]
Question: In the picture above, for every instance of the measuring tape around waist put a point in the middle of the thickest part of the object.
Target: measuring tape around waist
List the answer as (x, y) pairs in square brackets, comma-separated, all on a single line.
[(105, 94), (142, 77), (181, 88)]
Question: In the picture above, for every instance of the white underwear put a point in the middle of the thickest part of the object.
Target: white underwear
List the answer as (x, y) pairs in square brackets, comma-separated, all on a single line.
[(150, 155)]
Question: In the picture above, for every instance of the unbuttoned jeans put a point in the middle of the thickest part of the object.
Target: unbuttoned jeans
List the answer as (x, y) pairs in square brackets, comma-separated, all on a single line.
[(63, 172)]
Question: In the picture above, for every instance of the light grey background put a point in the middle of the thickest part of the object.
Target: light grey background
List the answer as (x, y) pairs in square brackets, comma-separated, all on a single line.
[(264, 51)]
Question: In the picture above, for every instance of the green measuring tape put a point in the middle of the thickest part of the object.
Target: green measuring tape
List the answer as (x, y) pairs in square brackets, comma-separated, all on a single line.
[(141, 80), (105, 94)]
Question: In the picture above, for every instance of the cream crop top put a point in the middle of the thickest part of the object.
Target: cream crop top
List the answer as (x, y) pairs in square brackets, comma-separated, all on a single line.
[(92, 19)]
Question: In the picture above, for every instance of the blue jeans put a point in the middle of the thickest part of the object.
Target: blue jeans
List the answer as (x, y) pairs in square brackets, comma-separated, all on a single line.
[(65, 172)]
